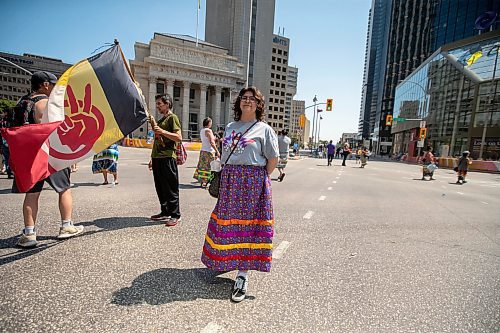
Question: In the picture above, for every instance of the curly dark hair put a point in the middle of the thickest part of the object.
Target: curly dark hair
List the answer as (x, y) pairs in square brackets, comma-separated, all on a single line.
[(259, 113)]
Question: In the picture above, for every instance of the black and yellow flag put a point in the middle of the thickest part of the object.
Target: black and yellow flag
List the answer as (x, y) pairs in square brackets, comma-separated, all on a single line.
[(101, 104), (93, 105)]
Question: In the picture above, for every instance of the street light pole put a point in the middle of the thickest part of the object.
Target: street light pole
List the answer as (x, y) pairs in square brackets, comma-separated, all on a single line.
[(319, 127), (314, 122)]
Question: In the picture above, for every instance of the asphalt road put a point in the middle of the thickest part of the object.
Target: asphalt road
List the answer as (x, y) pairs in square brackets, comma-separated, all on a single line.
[(356, 250)]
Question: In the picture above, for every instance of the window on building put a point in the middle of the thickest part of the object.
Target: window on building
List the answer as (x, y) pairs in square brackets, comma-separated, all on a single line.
[(177, 92), (274, 50), (273, 67), (191, 93), (280, 52), (160, 88)]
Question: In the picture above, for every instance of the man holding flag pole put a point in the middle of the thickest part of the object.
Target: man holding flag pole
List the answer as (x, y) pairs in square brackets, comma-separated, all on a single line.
[(95, 103)]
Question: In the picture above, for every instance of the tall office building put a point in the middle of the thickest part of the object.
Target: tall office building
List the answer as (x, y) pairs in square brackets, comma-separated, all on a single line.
[(296, 131), (291, 90), (277, 116), (16, 82), (245, 28), (417, 30), (375, 64)]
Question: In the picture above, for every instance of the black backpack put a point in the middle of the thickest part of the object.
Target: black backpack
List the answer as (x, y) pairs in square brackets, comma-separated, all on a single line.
[(24, 111)]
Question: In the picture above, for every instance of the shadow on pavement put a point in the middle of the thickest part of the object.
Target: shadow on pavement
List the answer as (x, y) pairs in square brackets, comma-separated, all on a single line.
[(189, 186), (104, 224), (167, 285), (6, 191), (86, 184)]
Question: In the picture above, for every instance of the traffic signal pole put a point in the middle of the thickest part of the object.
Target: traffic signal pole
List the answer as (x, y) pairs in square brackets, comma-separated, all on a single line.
[(314, 123), (315, 100)]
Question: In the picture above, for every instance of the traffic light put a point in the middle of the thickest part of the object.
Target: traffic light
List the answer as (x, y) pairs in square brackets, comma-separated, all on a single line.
[(423, 133), (329, 104), (388, 120), (302, 120)]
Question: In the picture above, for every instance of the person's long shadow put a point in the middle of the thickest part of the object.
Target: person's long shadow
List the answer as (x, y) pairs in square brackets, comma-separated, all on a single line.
[(45, 242), (189, 186), (167, 285)]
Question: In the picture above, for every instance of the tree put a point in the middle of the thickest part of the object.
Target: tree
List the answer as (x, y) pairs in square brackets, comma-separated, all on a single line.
[(6, 104)]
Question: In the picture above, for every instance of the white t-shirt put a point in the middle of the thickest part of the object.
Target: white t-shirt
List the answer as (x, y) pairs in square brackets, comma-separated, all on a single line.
[(205, 142), (258, 145)]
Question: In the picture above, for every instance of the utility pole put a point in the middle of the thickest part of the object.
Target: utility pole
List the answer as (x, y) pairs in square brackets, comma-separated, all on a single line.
[(314, 122)]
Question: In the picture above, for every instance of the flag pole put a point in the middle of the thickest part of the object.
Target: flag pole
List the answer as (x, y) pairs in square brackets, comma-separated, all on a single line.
[(197, 18)]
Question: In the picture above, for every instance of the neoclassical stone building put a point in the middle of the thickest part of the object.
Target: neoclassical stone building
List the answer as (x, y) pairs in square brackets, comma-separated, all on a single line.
[(203, 80)]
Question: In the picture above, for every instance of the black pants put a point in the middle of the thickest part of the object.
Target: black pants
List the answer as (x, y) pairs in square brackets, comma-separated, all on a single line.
[(330, 158), (166, 177), (345, 157)]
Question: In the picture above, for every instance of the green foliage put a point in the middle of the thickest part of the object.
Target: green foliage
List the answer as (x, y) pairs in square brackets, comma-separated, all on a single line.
[(6, 104)]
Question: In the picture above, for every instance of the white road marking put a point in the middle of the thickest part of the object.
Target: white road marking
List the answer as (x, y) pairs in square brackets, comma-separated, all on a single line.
[(280, 250), (330, 188), (484, 202), (212, 328), (309, 214), (460, 193), (322, 198), (337, 177), (335, 182)]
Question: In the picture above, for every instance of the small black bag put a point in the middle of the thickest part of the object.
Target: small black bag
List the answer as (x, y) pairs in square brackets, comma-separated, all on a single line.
[(455, 169), (214, 185)]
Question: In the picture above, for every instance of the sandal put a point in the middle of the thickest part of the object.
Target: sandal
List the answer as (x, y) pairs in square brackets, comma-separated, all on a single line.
[(105, 183)]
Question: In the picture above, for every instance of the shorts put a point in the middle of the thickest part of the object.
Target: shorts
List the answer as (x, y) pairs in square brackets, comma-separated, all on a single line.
[(59, 181)]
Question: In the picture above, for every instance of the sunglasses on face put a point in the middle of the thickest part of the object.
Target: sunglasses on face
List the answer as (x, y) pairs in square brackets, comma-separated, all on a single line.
[(248, 99)]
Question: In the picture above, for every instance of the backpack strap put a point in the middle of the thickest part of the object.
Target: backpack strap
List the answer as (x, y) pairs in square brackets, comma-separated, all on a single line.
[(38, 98)]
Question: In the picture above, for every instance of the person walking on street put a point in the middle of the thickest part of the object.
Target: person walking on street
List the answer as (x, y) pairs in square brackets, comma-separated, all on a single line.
[(107, 162), (284, 146), (208, 153), (429, 165), (5, 123), (364, 156), (241, 227), (358, 154), (345, 152), (331, 152), (163, 162), (463, 167), (42, 83)]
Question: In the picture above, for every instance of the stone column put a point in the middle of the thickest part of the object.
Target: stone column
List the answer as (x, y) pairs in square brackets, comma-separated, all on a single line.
[(152, 94), (170, 87), (216, 112), (231, 94), (185, 109), (203, 105)]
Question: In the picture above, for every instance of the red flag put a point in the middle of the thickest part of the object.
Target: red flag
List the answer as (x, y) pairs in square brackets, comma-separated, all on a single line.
[(29, 152)]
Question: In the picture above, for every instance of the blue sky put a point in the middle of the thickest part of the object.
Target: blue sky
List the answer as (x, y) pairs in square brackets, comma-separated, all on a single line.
[(327, 40)]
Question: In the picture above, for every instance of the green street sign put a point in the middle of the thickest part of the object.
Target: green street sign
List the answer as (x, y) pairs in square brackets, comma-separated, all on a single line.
[(399, 119)]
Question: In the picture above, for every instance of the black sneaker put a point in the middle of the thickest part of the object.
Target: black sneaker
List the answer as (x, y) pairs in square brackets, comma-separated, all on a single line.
[(239, 289), (159, 217)]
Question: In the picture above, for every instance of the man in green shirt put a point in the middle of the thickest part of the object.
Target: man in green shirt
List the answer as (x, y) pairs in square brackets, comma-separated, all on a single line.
[(163, 162)]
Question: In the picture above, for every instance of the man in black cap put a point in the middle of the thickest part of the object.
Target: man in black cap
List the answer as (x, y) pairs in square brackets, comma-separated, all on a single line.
[(42, 84)]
